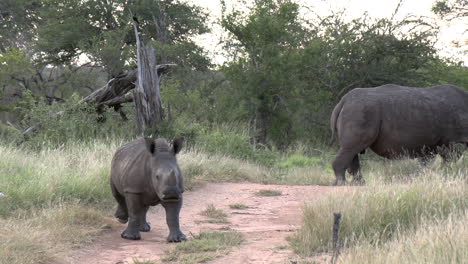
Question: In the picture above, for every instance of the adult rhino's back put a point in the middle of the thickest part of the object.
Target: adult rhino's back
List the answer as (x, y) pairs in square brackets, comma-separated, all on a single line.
[(396, 120), (433, 115)]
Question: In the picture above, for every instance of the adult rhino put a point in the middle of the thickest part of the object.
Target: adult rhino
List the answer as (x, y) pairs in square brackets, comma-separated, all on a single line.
[(145, 173), (396, 121)]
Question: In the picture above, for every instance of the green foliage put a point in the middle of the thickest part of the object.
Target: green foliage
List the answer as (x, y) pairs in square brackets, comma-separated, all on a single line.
[(59, 124), (285, 78), (9, 133), (267, 40), (229, 141), (297, 160), (14, 67), (281, 80), (16, 23), (104, 30)]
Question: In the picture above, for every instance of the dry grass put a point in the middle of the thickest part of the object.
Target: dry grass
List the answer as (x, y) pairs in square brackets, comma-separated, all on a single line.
[(406, 213), (214, 215), (377, 214), (39, 236), (432, 243), (238, 206)]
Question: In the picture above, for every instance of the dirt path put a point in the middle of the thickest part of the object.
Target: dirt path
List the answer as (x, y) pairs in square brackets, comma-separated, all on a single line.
[(265, 225)]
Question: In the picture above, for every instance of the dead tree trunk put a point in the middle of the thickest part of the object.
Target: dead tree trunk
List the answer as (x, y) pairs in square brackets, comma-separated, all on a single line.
[(149, 111)]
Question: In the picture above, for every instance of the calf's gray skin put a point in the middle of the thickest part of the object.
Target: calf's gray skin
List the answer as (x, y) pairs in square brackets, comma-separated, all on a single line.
[(395, 121), (145, 173)]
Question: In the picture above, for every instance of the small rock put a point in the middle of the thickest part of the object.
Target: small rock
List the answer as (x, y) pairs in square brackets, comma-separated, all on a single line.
[(2, 195)]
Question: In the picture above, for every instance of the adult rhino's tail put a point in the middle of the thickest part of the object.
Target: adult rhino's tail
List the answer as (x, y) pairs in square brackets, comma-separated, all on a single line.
[(334, 118)]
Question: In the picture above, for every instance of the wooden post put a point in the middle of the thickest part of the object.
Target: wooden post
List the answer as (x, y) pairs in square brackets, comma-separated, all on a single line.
[(336, 232)]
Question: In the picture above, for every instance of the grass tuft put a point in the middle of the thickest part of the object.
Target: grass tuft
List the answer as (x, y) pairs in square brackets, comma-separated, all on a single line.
[(137, 261), (204, 247), (268, 193), (214, 215), (238, 206)]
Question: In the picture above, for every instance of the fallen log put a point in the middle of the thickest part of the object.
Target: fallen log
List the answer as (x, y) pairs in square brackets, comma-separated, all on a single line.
[(111, 93), (117, 91)]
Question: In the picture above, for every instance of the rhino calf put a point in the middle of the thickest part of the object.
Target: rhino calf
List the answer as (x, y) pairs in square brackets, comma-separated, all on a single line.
[(145, 173), (395, 121)]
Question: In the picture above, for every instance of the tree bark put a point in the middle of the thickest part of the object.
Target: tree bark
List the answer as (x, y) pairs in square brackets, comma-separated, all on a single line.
[(148, 106)]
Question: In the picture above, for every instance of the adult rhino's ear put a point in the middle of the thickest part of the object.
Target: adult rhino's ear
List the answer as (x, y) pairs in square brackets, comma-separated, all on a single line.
[(150, 145), (177, 145)]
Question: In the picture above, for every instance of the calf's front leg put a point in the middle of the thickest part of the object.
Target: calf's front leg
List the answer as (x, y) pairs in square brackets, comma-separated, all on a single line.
[(172, 219)]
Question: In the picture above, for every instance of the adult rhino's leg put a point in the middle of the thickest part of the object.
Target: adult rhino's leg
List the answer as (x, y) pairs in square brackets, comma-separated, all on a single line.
[(144, 226), (122, 212), (355, 170), (172, 219), (451, 152), (341, 163), (136, 211)]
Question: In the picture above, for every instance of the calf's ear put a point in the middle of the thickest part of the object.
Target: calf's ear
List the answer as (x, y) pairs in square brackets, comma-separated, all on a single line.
[(177, 145), (150, 145)]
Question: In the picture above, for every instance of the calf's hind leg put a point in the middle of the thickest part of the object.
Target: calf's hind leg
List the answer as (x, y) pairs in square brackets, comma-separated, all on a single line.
[(122, 212), (136, 212)]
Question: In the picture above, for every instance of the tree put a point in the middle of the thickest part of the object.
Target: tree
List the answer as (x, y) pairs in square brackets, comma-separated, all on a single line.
[(16, 20), (363, 52), (451, 9), (265, 45), (102, 30)]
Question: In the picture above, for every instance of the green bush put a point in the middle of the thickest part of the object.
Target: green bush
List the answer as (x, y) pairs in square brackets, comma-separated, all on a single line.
[(297, 160), (59, 124), (227, 141), (9, 134)]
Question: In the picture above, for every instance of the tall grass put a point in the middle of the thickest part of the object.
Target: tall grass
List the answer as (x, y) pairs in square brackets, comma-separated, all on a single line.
[(433, 243), (75, 172), (377, 214)]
